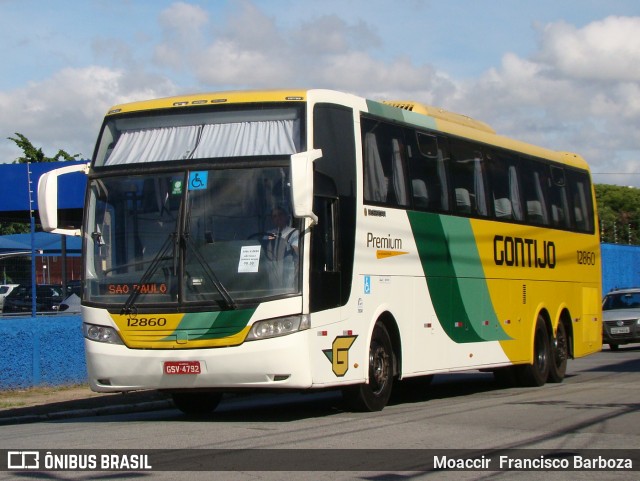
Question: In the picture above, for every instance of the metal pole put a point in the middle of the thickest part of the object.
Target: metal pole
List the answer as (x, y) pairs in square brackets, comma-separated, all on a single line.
[(63, 254), (33, 243)]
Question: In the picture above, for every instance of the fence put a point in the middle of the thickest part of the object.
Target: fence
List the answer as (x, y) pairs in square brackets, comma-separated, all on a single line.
[(620, 266), (45, 350)]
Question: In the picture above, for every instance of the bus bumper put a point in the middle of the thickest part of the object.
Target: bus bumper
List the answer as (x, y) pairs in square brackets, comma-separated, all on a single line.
[(277, 363)]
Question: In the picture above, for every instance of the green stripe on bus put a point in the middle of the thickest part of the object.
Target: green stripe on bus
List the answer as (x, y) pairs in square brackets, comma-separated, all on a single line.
[(455, 278), (215, 325), (395, 113)]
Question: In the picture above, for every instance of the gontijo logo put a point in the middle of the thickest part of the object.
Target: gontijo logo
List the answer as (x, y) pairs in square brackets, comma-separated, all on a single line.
[(523, 252), (339, 354)]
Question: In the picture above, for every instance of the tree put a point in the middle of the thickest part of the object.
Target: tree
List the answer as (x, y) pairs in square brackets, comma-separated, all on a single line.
[(33, 154), (619, 213)]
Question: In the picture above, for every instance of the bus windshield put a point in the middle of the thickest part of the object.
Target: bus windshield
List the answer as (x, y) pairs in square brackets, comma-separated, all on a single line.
[(204, 237)]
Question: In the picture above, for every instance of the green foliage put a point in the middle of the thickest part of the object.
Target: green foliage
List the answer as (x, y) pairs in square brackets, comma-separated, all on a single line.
[(33, 154), (9, 228), (619, 213)]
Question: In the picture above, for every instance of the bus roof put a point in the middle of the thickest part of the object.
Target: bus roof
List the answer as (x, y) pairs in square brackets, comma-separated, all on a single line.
[(445, 121), (439, 113), (238, 96)]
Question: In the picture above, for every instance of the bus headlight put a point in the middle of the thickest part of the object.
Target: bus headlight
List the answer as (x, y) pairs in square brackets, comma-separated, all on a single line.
[(101, 334), (280, 326)]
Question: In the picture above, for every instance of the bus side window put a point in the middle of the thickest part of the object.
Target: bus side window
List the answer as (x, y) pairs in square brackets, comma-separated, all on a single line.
[(535, 192), (428, 173), (504, 186), (384, 164), (324, 245), (325, 275), (560, 215), (580, 188), (375, 180), (468, 177)]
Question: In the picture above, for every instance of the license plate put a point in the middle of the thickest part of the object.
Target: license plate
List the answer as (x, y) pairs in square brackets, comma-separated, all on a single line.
[(182, 367), (620, 330)]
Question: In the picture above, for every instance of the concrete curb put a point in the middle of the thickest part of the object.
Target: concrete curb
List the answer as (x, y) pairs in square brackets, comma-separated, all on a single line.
[(91, 411), (85, 412)]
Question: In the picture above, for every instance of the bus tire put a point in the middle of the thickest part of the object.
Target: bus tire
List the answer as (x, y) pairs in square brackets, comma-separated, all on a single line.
[(374, 395), (536, 374), (196, 404), (559, 355)]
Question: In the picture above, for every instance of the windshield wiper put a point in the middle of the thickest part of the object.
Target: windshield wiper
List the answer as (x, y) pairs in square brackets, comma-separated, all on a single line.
[(148, 274), (209, 273)]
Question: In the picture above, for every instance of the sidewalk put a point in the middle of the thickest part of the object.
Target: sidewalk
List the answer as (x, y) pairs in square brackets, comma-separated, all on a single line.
[(61, 402)]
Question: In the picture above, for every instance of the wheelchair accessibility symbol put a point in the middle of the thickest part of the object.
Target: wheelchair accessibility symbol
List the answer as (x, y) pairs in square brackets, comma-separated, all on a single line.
[(198, 180)]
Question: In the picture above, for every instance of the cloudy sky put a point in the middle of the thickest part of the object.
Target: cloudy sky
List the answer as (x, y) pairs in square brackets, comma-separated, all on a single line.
[(564, 74)]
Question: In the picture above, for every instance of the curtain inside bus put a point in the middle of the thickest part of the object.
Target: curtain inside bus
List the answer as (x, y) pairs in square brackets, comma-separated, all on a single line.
[(273, 137)]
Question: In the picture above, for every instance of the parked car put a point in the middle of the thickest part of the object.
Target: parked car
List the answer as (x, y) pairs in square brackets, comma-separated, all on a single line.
[(48, 297), (621, 316), (5, 289), (74, 287), (71, 305)]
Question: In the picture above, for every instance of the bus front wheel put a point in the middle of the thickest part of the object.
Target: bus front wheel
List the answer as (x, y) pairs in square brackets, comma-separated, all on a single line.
[(536, 374), (374, 395), (196, 404)]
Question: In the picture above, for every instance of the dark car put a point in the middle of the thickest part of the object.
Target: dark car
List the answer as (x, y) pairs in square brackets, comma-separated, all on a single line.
[(621, 316), (48, 297)]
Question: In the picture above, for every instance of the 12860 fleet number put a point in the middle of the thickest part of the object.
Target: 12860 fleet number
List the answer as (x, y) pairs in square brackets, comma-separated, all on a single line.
[(147, 322)]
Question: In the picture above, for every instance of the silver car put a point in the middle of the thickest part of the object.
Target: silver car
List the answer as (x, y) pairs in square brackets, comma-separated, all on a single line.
[(621, 315)]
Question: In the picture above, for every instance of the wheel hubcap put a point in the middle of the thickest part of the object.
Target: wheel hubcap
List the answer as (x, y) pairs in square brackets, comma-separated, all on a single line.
[(379, 362), (560, 349)]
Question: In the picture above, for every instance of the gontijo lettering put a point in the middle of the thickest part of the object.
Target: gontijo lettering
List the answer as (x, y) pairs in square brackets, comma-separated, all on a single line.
[(523, 252)]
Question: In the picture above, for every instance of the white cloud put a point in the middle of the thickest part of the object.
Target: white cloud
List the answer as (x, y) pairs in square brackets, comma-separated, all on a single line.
[(225, 62), (182, 30), (66, 110), (250, 50), (578, 92), (603, 50), (329, 34)]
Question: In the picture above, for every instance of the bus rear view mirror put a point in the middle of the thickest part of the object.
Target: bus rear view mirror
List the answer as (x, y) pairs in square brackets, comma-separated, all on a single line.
[(48, 198), (302, 183)]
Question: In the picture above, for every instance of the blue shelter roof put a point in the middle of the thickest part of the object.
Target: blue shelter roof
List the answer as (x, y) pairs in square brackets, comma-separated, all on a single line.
[(45, 244), (14, 196)]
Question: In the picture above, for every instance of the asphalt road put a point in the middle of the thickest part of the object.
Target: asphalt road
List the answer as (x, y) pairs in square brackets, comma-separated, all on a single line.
[(597, 407)]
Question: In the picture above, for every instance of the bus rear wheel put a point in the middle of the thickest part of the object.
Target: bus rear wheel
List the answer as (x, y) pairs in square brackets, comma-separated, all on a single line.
[(559, 355), (536, 374), (196, 404), (374, 395)]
